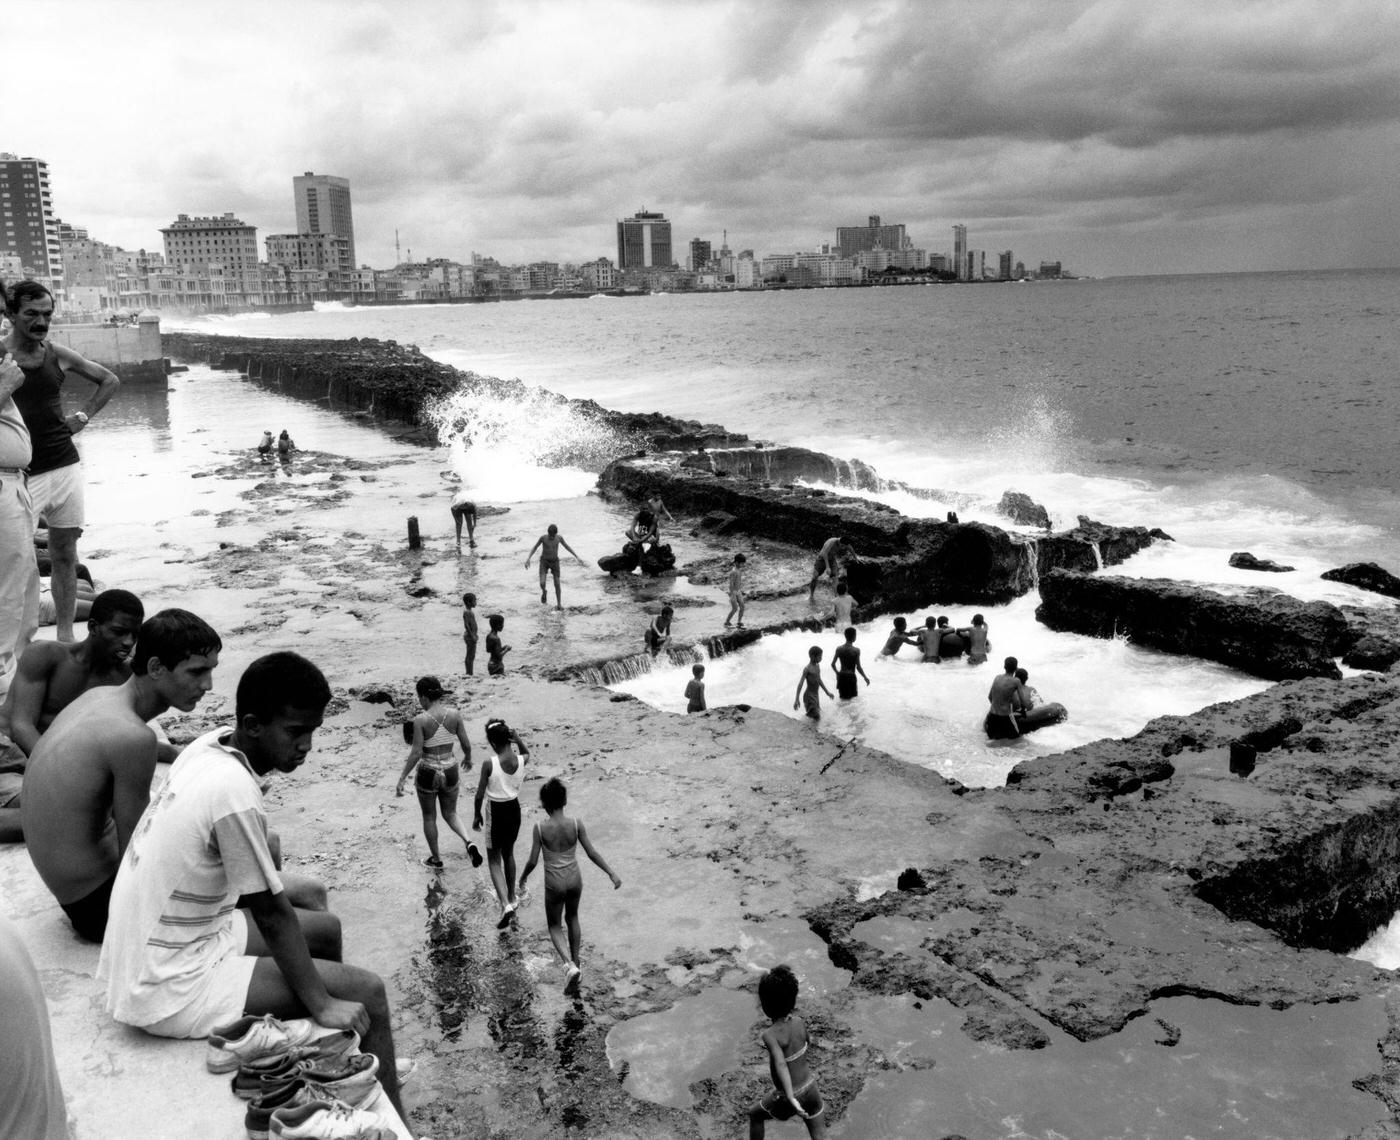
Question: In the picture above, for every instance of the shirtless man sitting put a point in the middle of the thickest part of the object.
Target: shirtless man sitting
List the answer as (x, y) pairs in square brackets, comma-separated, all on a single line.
[(89, 777), (50, 677), (1007, 695)]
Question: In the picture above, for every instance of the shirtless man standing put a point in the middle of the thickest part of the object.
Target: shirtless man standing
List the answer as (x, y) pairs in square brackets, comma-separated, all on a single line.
[(1006, 695), (548, 545), (51, 676), (89, 778)]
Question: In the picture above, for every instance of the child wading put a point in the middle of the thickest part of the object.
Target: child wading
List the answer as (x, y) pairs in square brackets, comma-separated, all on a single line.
[(795, 1085), (438, 778), (559, 838), (499, 788), (811, 700)]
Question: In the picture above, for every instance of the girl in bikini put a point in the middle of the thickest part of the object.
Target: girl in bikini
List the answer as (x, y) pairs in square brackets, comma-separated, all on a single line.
[(438, 778), (795, 1085), (559, 838)]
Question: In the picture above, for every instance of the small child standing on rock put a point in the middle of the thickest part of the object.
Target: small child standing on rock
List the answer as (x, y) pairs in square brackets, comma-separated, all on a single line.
[(811, 676), (495, 651), (695, 690), (795, 1085), (736, 591), (469, 630), (559, 839)]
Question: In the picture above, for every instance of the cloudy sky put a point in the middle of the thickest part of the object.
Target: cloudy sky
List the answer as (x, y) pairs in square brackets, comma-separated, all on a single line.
[(1124, 136)]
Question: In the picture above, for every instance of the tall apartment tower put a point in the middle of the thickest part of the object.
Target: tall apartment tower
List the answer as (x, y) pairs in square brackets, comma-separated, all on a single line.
[(960, 266), (28, 227), (700, 251), (644, 241), (323, 207)]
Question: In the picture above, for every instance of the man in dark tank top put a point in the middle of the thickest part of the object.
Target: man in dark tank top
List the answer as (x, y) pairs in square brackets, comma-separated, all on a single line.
[(55, 470)]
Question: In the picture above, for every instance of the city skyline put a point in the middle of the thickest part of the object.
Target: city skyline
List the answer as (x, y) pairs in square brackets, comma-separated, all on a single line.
[(1182, 137)]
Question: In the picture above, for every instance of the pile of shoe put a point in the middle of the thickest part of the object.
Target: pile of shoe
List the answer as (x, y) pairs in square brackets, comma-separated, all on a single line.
[(301, 1081)]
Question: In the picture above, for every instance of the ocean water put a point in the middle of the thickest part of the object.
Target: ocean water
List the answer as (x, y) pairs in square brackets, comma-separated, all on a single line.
[(1236, 412)]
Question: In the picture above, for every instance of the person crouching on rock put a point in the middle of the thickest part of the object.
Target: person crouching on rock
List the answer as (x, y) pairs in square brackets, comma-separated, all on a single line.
[(659, 631)]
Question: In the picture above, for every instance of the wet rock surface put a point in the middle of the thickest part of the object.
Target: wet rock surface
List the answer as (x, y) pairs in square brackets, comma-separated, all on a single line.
[(1366, 576), (1260, 631), (1243, 560)]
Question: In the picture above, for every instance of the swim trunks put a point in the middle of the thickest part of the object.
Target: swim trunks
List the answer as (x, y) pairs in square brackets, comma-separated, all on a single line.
[(1000, 727), (846, 683), (89, 914)]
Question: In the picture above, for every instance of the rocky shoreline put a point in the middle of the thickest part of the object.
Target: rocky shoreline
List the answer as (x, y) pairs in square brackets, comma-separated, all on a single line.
[(1181, 894)]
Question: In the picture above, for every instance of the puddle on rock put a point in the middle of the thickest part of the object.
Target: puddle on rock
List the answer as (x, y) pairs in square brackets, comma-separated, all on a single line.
[(1232, 1071), (697, 1037)]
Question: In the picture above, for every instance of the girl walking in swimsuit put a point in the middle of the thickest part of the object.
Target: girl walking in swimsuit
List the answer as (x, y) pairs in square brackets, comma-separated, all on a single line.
[(438, 778), (559, 838), (499, 790), (795, 1085)]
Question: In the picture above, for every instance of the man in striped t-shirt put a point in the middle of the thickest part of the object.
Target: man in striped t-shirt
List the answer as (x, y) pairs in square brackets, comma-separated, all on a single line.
[(201, 930)]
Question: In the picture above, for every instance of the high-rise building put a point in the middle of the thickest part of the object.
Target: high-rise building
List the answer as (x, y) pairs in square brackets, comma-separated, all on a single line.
[(960, 266), (699, 253), (323, 207), (28, 227), (851, 240), (1004, 270), (644, 241)]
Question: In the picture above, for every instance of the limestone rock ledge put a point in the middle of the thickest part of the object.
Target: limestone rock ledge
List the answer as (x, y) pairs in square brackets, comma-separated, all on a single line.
[(901, 563), (1259, 631), (1182, 878)]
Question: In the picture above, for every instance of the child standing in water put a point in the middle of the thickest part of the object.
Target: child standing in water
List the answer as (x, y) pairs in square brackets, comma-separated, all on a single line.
[(499, 789), (438, 778), (695, 690), (469, 630), (559, 838), (795, 1085), (736, 591), (811, 676), (495, 651)]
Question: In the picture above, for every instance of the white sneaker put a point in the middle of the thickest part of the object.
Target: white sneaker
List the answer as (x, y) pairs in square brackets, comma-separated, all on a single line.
[(250, 1038), (328, 1120)]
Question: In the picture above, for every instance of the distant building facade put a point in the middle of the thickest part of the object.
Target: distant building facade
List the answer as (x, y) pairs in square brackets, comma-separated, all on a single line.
[(323, 207), (699, 253), (851, 240), (28, 227), (644, 242)]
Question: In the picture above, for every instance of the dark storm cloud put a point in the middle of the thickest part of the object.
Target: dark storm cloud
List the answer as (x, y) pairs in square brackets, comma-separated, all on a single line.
[(525, 129)]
